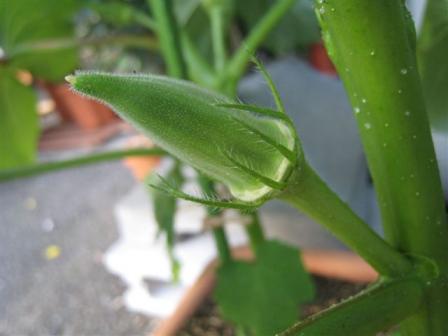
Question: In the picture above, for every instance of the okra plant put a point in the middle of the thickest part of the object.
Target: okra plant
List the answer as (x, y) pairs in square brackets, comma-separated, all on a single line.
[(275, 261), (256, 153)]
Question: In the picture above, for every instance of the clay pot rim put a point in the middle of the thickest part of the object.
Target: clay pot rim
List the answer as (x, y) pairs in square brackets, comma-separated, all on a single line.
[(335, 264)]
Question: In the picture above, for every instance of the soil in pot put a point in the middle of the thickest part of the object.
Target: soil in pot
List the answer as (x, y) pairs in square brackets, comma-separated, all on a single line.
[(207, 320)]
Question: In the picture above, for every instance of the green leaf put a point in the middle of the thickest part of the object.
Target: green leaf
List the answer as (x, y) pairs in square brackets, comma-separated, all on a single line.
[(433, 62), (24, 23), (194, 22), (18, 122), (264, 296), (165, 207)]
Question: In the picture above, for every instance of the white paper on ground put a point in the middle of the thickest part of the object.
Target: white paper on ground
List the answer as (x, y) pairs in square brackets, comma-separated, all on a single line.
[(139, 259)]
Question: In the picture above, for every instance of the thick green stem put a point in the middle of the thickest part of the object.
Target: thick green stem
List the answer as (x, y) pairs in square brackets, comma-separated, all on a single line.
[(255, 232), (307, 192), (46, 167), (375, 56), (237, 65), (222, 244), (219, 234), (390, 302), (169, 38), (218, 36)]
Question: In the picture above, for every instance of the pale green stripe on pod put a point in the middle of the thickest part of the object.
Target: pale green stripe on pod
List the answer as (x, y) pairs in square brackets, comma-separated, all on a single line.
[(185, 120)]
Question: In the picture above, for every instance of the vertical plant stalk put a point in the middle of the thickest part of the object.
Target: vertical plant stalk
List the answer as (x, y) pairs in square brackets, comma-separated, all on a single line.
[(218, 36), (254, 231), (372, 43), (169, 38), (219, 234), (222, 243)]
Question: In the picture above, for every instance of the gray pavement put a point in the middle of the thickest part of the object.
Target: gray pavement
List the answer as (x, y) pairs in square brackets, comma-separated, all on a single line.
[(72, 294)]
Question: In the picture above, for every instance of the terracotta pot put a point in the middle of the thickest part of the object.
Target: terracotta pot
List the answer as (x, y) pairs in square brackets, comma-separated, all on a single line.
[(84, 112), (320, 60), (141, 166), (331, 264)]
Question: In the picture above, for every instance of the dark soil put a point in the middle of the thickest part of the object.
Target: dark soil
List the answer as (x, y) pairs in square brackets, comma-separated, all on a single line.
[(208, 322)]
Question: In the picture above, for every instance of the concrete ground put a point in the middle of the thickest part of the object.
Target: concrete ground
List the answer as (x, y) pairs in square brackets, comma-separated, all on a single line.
[(67, 213)]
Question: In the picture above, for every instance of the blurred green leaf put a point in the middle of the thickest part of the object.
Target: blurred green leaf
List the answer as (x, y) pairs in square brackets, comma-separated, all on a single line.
[(298, 28), (185, 9), (433, 61), (194, 22), (18, 122), (26, 22), (264, 296), (165, 207)]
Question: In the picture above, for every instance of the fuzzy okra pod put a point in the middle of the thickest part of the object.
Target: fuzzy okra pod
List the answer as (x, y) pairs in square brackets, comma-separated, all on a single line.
[(252, 151)]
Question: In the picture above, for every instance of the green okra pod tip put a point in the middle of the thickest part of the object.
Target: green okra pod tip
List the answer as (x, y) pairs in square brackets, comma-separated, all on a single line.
[(252, 151)]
